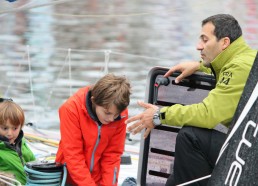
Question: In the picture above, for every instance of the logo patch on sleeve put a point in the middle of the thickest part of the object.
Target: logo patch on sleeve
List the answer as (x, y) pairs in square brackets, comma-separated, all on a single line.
[(226, 77)]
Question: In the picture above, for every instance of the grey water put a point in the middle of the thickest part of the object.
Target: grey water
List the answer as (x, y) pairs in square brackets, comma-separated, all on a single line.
[(48, 51)]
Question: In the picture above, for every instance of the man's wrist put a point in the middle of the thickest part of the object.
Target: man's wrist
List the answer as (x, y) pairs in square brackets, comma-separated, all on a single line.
[(156, 118)]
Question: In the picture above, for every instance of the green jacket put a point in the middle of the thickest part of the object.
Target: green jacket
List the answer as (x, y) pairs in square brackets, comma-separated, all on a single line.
[(13, 157), (231, 69)]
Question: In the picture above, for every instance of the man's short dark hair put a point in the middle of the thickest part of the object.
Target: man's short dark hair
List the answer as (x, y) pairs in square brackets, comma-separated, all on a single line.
[(225, 26)]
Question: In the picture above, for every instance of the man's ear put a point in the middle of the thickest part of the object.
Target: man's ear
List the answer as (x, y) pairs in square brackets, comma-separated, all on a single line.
[(225, 42)]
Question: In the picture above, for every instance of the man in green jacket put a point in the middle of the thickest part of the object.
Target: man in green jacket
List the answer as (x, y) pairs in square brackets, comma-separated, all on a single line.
[(226, 55)]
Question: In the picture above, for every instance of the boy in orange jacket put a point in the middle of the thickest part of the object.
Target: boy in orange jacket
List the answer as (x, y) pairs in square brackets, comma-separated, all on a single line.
[(93, 132)]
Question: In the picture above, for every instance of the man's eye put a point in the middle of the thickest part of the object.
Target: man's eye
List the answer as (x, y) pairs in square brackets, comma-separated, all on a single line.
[(204, 40)]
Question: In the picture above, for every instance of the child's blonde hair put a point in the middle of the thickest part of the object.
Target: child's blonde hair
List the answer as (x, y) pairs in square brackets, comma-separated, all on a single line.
[(9, 110)]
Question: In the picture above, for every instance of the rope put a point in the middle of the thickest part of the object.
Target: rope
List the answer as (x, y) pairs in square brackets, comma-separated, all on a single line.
[(30, 79), (70, 71), (42, 49), (9, 181), (6, 94), (14, 10), (107, 56), (50, 142), (26, 7), (196, 180), (117, 15), (38, 178)]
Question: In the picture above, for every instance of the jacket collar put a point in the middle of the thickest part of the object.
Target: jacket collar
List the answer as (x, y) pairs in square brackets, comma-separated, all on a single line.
[(230, 52), (92, 114)]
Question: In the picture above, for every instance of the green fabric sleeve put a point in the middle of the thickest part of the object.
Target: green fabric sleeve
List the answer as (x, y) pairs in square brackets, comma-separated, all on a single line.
[(218, 107)]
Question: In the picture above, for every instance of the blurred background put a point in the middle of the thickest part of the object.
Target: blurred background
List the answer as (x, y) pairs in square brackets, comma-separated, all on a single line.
[(50, 48)]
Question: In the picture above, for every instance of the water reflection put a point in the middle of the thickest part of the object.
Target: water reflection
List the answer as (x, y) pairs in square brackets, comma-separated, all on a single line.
[(39, 71)]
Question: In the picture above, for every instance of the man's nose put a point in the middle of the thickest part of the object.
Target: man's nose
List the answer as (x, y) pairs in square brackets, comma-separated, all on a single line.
[(199, 46)]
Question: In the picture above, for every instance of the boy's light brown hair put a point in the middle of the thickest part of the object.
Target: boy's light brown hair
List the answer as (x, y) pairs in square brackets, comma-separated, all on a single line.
[(9, 110), (112, 89)]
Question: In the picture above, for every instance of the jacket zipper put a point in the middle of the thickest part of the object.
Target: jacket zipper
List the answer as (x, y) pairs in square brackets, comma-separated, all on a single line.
[(114, 178), (95, 148), (22, 161)]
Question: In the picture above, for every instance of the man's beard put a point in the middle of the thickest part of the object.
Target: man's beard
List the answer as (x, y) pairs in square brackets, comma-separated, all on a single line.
[(206, 64)]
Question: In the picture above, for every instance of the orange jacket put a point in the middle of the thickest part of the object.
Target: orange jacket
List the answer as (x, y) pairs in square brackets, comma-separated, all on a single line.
[(90, 150)]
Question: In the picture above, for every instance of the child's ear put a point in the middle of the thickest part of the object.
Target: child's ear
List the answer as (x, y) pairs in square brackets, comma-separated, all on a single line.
[(92, 99)]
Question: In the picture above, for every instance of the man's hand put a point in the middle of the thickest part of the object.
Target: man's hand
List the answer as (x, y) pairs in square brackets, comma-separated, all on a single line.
[(143, 120), (186, 69)]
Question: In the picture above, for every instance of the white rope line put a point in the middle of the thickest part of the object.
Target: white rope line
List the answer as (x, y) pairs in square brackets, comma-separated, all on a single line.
[(17, 88), (12, 82), (35, 146), (107, 56), (5, 182), (70, 70), (101, 15), (195, 180), (97, 51), (3, 179), (93, 51), (96, 16), (58, 77), (113, 52), (30, 80), (79, 50), (53, 86), (22, 8), (121, 15), (139, 56)]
